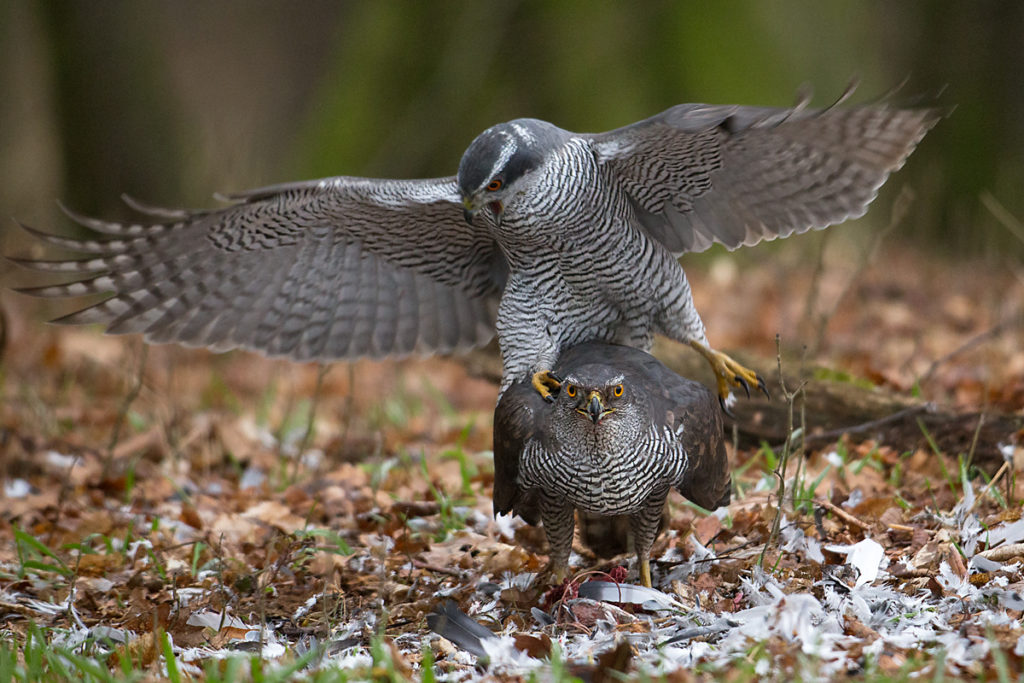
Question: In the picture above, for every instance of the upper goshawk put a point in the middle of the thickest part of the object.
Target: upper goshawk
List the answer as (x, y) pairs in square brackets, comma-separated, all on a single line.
[(621, 432), (565, 237)]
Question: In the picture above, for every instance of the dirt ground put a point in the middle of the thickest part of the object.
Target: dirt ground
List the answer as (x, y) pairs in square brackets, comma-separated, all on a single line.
[(231, 499)]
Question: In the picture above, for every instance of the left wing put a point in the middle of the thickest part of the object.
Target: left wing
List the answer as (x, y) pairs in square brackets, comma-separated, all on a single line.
[(699, 174)]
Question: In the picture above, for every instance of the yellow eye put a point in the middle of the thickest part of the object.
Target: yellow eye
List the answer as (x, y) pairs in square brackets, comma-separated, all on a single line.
[(571, 391), (617, 391), (494, 185)]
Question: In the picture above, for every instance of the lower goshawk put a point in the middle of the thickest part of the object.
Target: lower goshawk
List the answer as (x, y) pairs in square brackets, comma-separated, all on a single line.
[(622, 430), (552, 237)]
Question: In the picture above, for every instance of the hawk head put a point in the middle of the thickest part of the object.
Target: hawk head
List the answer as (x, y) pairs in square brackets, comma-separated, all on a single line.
[(597, 400), (499, 158)]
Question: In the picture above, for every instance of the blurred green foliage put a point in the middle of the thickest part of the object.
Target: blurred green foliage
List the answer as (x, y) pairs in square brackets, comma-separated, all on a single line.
[(170, 101)]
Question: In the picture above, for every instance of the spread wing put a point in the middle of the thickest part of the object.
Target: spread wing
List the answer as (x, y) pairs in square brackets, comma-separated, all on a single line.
[(516, 422), (321, 270), (699, 174)]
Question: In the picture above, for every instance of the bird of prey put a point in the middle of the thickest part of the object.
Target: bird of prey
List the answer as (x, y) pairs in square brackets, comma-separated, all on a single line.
[(623, 429), (548, 236)]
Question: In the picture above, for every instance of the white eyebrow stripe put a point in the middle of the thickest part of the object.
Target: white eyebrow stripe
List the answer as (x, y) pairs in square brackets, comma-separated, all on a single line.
[(617, 379), (507, 150)]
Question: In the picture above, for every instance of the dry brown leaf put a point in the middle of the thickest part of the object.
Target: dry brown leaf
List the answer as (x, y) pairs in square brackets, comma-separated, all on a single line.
[(956, 561), (538, 647), (706, 528), (1004, 553), (235, 528), (276, 515), (190, 516), (92, 564), (149, 442), (141, 651)]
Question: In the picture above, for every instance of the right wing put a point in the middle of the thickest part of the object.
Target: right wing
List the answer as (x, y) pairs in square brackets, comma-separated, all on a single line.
[(320, 270)]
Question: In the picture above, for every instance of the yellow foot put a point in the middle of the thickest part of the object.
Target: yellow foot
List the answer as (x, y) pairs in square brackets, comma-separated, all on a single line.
[(729, 373), (645, 572), (557, 575), (546, 384)]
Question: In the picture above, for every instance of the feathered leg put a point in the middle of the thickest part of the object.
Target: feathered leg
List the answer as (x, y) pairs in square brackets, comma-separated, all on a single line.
[(644, 524), (559, 524)]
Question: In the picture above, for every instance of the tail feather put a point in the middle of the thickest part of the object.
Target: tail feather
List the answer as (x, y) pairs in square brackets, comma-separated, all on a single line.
[(448, 621)]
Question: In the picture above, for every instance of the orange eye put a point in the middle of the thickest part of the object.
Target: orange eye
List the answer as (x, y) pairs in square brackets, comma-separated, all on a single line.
[(617, 391), (571, 391), (494, 185)]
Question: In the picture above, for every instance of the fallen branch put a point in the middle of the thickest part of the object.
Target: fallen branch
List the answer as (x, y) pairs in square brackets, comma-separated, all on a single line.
[(841, 513)]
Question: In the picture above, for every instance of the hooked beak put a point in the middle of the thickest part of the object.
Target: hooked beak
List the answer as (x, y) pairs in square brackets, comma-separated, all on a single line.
[(470, 210), (593, 407)]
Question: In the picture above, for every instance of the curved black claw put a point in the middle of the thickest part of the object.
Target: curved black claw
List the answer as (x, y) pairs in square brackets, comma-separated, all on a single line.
[(763, 387), (554, 388), (546, 384), (725, 407), (743, 383)]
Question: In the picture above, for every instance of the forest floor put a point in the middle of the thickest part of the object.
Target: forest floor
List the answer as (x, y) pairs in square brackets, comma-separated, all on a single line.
[(173, 513)]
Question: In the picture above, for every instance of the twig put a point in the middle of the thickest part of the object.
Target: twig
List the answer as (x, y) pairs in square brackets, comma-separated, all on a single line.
[(435, 568), (995, 330), (780, 470), (347, 420), (868, 426), (841, 513), (974, 441), (1000, 213), (992, 482), (814, 288), (126, 405), (900, 208)]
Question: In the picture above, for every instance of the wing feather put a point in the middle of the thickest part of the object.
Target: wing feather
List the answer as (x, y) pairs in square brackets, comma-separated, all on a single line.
[(516, 424), (698, 174), (321, 270)]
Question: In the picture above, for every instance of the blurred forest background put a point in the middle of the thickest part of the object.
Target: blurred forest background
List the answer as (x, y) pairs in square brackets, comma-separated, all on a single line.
[(171, 101)]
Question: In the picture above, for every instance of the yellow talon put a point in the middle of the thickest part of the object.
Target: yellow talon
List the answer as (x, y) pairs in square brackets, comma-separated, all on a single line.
[(558, 574), (729, 373), (546, 384)]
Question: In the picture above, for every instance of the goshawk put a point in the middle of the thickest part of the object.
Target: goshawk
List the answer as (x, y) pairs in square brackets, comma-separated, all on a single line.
[(552, 237), (623, 429)]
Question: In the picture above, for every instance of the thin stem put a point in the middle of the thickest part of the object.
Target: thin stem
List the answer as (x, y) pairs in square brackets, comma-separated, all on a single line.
[(787, 449), (126, 405), (307, 436)]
